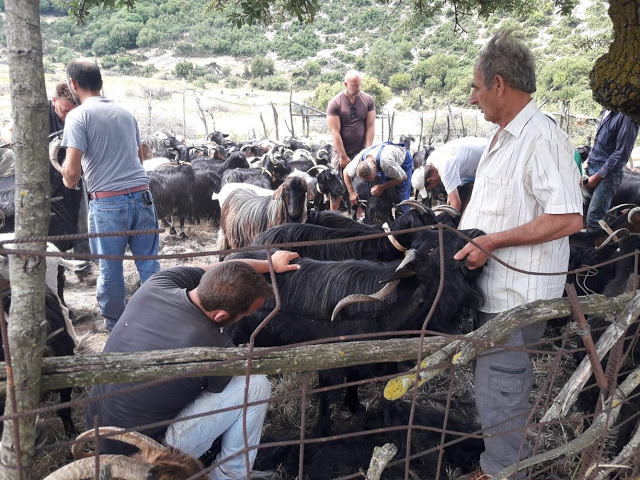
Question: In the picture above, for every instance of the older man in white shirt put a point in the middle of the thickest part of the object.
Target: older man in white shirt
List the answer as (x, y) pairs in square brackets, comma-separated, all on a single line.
[(527, 200)]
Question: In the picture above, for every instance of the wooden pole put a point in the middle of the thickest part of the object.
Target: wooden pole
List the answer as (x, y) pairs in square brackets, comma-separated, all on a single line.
[(275, 120)]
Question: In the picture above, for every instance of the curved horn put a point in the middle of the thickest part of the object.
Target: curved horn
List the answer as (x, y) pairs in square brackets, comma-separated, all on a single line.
[(317, 167), (56, 165), (136, 439), (613, 236), (634, 211), (620, 207), (448, 209), (322, 154), (359, 297), (121, 467), (414, 204)]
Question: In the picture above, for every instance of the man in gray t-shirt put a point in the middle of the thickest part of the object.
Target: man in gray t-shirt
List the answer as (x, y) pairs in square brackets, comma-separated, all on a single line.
[(103, 140)]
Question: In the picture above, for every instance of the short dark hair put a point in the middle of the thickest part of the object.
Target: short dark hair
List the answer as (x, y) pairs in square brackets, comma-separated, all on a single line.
[(508, 57), (62, 91), (86, 73), (232, 286)]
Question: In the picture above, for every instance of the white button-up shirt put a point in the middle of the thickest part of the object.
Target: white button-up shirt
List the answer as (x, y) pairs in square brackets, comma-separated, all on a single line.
[(529, 171)]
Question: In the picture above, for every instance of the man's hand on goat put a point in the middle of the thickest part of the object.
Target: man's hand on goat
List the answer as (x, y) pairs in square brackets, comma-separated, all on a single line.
[(281, 261)]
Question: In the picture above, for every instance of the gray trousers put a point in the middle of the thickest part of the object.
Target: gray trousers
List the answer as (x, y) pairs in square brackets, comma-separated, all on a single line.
[(503, 381)]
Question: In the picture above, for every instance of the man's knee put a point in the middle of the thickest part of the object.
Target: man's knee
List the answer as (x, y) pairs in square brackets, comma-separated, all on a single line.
[(259, 388)]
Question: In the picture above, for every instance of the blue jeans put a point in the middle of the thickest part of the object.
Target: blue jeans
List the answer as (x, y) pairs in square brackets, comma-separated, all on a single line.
[(121, 213), (601, 199), (196, 435)]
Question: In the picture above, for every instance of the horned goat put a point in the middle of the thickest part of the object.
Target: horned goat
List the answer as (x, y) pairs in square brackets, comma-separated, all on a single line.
[(154, 462), (245, 214)]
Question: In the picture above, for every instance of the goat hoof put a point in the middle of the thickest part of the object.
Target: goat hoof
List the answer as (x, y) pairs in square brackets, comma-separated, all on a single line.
[(183, 236), (172, 231)]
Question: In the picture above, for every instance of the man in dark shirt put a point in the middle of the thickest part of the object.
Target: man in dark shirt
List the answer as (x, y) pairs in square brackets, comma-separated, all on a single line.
[(186, 307), (351, 117), (612, 147)]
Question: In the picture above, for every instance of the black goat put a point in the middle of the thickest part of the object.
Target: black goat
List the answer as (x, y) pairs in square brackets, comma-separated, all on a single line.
[(310, 295), (173, 189), (339, 458), (258, 177), (379, 208), (59, 343), (378, 249)]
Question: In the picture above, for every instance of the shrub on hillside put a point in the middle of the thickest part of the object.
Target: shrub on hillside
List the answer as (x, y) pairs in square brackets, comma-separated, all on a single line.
[(400, 82), (379, 92), (262, 67), (184, 69)]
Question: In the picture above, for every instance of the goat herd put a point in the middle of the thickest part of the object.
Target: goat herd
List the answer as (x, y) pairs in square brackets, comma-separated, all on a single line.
[(266, 193)]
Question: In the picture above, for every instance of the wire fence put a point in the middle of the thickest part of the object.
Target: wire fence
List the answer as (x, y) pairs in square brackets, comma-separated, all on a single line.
[(431, 422)]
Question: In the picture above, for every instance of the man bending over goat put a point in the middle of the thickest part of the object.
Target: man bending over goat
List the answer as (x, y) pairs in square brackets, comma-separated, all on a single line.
[(186, 307)]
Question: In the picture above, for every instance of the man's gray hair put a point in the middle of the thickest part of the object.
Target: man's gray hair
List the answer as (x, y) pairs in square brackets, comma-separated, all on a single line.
[(508, 57), (352, 74), (365, 170)]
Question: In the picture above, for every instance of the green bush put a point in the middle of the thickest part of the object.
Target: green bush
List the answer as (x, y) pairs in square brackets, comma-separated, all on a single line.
[(379, 92), (271, 82), (124, 35), (400, 82), (63, 55), (312, 69), (102, 46), (324, 93), (262, 67), (184, 69), (147, 37), (383, 60), (124, 63), (108, 62)]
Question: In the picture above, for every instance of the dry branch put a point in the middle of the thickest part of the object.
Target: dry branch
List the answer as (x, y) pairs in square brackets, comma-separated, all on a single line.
[(570, 391), (599, 427), (381, 457), (59, 372), (497, 331)]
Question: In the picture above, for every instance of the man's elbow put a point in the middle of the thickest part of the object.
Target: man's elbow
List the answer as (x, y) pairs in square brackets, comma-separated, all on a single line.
[(575, 223)]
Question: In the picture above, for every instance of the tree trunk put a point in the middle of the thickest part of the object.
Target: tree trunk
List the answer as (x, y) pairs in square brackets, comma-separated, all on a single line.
[(26, 330), (615, 78)]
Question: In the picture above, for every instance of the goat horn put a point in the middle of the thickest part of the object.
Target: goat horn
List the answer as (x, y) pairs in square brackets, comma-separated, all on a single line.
[(318, 167), (634, 211), (136, 439), (620, 207), (623, 232), (56, 165), (121, 467), (448, 209), (414, 204), (359, 297)]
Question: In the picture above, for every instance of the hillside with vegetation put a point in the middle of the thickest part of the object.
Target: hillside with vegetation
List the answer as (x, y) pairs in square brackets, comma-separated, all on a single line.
[(433, 62)]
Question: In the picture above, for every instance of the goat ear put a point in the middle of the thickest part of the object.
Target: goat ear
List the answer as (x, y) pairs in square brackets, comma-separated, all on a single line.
[(277, 195)]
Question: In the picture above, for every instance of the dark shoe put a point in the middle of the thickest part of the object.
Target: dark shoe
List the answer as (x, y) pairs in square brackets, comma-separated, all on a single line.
[(89, 279), (476, 475)]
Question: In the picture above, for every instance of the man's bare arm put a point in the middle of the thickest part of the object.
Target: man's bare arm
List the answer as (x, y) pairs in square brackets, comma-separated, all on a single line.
[(370, 128), (72, 167), (454, 200), (334, 127), (545, 228)]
